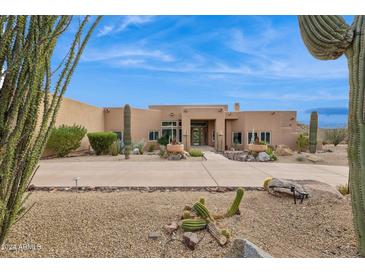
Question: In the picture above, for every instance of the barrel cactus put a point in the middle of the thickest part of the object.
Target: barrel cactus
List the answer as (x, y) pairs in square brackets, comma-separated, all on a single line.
[(313, 128), (328, 37), (127, 131)]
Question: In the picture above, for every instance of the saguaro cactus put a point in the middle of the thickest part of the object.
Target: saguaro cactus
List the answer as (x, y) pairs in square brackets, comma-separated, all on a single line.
[(127, 125), (328, 37), (313, 128)]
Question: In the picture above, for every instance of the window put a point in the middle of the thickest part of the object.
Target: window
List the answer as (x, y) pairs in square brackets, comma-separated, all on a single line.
[(171, 133), (265, 136), (180, 135), (213, 136), (168, 123), (251, 138), (153, 135), (237, 138)]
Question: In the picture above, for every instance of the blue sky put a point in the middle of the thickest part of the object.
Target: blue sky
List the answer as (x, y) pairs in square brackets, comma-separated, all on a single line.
[(259, 61)]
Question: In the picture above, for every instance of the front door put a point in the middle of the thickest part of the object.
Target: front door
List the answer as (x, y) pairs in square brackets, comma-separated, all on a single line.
[(196, 136)]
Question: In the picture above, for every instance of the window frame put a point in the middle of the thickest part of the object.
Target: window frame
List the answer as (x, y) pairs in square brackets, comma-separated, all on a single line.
[(266, 131), (173, 124), (233, 133), (154, 131)]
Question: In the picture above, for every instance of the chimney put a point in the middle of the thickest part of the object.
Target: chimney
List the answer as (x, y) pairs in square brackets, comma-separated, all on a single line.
[(236, 107)]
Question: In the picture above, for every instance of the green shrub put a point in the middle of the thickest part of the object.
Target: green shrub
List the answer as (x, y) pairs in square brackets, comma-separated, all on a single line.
[(164, 140), (196, 153), (271, 153), (344, 189), (65, 139), (151, 147), (302, 143), (335, 136), (102, 141)]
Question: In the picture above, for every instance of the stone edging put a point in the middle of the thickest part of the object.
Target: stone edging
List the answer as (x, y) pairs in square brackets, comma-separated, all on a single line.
[(33, 188)]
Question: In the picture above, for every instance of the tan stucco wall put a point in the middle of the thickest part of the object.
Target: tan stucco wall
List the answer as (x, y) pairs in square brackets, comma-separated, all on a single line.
[(281, 124), (74, 112)]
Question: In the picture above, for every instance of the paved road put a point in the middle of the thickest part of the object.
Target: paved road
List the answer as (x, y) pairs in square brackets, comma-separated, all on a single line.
[(216, 171)]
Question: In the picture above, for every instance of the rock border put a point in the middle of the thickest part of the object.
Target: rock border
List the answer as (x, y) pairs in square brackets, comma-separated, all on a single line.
[(33, 188)]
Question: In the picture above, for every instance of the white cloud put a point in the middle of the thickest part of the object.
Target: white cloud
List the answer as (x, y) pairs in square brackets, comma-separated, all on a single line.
[(118, 53), (295, 97), (124, 24)]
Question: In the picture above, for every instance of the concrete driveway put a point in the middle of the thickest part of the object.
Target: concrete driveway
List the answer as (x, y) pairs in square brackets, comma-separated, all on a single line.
[(216, 171)]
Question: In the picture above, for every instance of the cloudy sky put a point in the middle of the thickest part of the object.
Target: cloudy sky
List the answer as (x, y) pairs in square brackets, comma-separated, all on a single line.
[(259, 61)]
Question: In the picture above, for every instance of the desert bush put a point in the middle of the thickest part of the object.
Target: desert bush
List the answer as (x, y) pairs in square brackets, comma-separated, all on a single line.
[(344, 189), (267, 181), (163, 152), (140, 147), (271, 153), (300, 158), (102, 141), (302, 143), (164, 140), (115, 148), (196, 153), (151, 147), (335, 136), (65, 139)]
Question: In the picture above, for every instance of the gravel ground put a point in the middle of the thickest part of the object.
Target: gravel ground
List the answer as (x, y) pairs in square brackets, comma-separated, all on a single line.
[(338, 156), (117, 224)]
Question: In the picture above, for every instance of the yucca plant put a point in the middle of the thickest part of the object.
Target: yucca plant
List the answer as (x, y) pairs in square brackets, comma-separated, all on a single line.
[(27, 107), (327, 38)]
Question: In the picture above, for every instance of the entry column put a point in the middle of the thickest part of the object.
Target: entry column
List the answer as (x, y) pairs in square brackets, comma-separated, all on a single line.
[(185, 128)]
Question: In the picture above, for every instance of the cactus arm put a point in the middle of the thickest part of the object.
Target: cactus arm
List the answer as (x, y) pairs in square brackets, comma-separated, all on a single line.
[(326, 37), (127, 125), (350, 41)]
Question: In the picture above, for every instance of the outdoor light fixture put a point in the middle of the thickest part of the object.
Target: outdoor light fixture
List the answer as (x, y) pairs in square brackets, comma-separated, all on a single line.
[(107, 110), (172, 114), (76, 179)]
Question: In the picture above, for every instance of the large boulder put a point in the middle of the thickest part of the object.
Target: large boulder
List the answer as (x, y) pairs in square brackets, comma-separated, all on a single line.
[(283, 150), (263, 157), (317, 191)]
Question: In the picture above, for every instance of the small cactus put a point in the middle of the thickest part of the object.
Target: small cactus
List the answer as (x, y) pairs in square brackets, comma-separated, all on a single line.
[(236, 203), (202, 200), (193, 224), (202, 211)]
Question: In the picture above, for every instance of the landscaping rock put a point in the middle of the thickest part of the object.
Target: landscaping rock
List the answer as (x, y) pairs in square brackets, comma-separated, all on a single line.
[(318, 191), (136, 151), (263, 157), (190, 239), (242, 248), (171, 227), (154, 235), (174, 157), (313, 158), (250, 158), (283, 150)]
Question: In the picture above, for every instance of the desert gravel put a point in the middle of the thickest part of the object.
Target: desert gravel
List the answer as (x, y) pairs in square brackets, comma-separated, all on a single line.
[(117, 224)]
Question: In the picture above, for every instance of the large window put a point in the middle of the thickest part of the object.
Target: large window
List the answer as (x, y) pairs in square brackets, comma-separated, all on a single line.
[(169, 128), (213, 136), (251, 137), (153, 135), (265, 136), (171, 133), (237, 138)]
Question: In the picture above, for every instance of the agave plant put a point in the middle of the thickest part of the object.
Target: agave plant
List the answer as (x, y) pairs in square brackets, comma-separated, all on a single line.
[(27, 107)]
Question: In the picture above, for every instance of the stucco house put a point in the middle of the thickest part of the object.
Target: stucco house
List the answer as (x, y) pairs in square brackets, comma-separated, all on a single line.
[(191, 125)]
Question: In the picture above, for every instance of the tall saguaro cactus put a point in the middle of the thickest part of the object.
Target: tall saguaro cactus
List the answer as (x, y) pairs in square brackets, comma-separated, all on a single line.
[(328, 37), (28, 109), (313, 128), (127, 125)]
